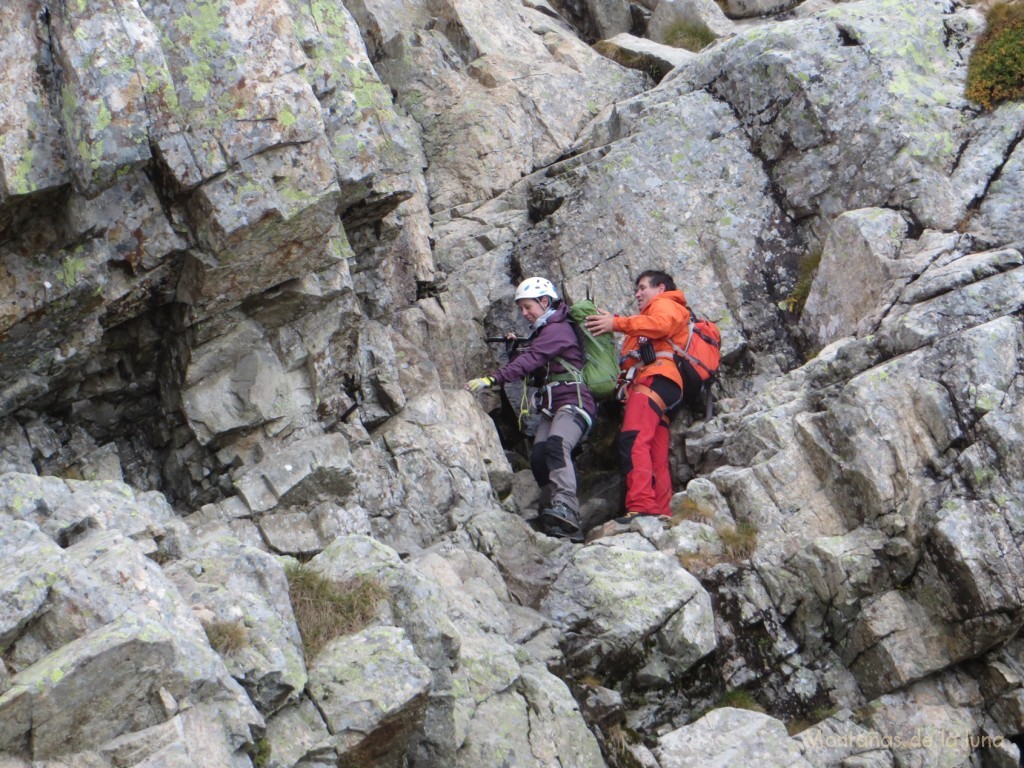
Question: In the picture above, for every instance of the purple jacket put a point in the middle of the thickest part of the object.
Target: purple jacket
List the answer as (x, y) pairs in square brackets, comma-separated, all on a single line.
[(556, 338)]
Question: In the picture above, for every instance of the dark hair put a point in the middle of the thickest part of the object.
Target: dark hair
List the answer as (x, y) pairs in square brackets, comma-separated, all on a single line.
[(656, 277)]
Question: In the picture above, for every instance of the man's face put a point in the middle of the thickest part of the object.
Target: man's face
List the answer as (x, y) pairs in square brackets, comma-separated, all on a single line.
[(531, 309), (645, 292)]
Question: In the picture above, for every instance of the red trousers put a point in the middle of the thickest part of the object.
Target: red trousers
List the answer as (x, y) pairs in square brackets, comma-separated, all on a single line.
[(643, 446)]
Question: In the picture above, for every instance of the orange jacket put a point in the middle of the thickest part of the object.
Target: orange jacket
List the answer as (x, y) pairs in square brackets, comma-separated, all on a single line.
[(665, 316)]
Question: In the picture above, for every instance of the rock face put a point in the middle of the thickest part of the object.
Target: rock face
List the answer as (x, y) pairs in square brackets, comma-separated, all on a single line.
[(249, 253), (99, 644)]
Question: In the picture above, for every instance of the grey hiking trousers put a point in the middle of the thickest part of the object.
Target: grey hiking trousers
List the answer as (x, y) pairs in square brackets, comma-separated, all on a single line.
[(551, 457)]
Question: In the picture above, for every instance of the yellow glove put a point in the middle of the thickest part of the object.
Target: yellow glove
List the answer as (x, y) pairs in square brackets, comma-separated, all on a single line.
[(478, 385)]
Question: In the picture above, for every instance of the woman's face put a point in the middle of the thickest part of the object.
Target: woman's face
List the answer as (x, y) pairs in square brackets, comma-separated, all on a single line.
[(531, 309)]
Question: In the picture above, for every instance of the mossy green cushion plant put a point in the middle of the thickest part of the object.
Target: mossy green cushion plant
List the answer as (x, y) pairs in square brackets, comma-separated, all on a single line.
[(996, 70), (808, 267)]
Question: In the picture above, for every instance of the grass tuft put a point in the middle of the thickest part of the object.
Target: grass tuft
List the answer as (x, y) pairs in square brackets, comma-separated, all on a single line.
[(690, 35), (262, 753), (617, 742), (802, 724), (226, 637), (687, 509), (738, 699), (326, 609), (995, 72), (739, 541)]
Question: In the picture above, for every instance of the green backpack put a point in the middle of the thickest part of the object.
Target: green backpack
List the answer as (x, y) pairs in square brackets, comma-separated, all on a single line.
[(600, 370)]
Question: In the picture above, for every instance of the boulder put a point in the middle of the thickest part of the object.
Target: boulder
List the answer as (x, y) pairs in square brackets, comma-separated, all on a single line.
[(298, 735), (597, 19), (414, 601), (606, 633), (101, 686), (498, 91), (742, 9), (34, 157), (894, 642), (446, 454), (672, 16), (1000, 213), (67, 509), (728, 736), (371, 689), (98, 642), (642, 54), (231, 585), (861, 250), (866, 124), (314, 468)]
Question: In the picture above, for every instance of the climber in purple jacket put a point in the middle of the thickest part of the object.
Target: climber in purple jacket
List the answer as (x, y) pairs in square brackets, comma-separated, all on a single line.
[(566, 406)]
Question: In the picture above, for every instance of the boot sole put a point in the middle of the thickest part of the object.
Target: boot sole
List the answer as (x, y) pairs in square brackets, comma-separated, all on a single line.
[(559, 527)]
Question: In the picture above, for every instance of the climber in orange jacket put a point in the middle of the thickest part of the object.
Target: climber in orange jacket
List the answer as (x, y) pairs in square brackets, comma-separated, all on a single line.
[(652, 387)]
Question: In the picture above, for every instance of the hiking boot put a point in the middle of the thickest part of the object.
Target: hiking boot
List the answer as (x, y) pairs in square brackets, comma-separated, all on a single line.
[(560, 521)]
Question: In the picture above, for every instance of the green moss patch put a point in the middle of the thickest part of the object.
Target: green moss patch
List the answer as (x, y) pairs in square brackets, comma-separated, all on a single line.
[(995, 72), (690, 35)]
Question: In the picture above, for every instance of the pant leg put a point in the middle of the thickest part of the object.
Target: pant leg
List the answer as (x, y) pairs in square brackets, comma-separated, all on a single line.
[(567, 429), (639, 422), (539, 464), (662, 475), (670, 393), (643, 449)]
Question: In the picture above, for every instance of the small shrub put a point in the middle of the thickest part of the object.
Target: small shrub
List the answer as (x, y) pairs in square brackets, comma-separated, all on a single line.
[(226, 637), (995, 72), (325, 609), (739, 542), (618, 740), (738, 699), (690, 35), (687, 509)]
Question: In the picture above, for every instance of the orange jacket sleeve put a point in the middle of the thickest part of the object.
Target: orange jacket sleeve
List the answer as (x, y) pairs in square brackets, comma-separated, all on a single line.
[(664, 319)]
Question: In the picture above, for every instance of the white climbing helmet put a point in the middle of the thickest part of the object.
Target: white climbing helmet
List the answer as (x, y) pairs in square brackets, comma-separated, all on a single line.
[(535, 287)]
